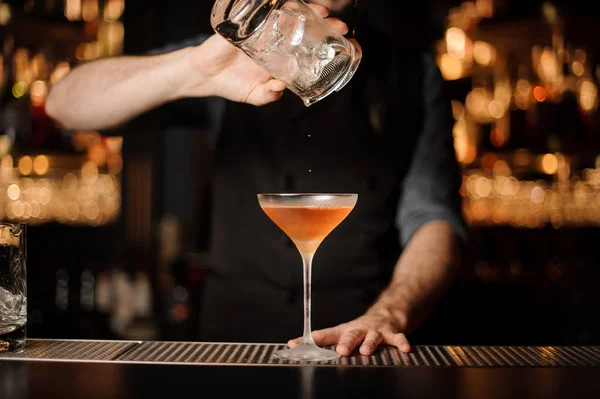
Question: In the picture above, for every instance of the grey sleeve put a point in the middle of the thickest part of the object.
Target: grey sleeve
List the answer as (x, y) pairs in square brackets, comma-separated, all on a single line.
[(430, 190)]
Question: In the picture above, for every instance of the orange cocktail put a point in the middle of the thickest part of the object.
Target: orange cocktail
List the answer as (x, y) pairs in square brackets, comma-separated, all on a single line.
[(307, 219), (307, 226)]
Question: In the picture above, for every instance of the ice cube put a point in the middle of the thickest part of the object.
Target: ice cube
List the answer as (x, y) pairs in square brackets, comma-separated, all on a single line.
[(282, 66), (276, 38), (325, 53), (313, 61), (283, 31), (13, 311), (291, 25), (8, 300), (309, 69), (267, 40)]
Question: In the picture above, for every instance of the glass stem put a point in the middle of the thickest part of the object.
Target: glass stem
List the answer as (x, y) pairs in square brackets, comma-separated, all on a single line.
[(307, 259)]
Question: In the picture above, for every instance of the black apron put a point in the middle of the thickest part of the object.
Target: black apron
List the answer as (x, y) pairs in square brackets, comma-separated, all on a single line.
[(356, 141)]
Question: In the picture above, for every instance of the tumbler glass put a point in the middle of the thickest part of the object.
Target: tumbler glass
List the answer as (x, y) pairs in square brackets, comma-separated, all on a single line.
[(289, 40), (13, 286)]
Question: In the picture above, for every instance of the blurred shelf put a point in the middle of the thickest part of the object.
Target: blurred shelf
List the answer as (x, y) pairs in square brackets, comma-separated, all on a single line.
[(59, 38), (511, 36), (38, 188)]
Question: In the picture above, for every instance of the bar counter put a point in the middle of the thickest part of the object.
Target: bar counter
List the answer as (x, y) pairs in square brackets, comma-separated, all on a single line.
[(131, 369)]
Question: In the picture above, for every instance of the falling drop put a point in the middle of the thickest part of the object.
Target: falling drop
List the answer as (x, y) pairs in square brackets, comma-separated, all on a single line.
[(310, 170)]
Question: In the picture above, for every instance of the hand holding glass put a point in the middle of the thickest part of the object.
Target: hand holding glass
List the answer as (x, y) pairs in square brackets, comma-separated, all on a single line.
[(291, 42)]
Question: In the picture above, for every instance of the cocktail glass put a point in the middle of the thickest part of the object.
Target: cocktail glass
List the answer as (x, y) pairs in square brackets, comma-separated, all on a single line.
[(307, 219)]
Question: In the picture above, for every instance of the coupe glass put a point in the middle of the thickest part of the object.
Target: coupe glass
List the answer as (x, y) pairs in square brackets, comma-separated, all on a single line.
[(307, 219)]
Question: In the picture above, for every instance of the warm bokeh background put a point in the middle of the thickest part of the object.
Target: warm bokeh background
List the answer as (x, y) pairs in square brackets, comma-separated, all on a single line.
[(118, 225)]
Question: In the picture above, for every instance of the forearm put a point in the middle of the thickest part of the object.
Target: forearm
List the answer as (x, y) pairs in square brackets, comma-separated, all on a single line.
[(424, 271), (109, 92)]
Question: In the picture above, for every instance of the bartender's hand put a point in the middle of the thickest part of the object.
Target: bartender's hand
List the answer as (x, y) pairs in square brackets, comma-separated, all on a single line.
[(426, 267), (229, 73), (366, 333), (111, 91)]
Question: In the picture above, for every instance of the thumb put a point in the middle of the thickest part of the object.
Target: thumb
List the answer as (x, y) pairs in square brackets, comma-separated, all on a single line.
[(328, 336), (268, 92), (276, 85)]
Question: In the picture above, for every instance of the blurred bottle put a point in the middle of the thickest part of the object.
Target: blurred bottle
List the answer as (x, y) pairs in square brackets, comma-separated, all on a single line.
[(142, 326), (48, 10), (123, 311), (45, 134), (6, 96), (142, 292), (16, 109)]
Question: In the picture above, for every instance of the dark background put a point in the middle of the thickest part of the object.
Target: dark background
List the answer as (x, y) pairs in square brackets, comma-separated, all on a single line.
[(551, 300)]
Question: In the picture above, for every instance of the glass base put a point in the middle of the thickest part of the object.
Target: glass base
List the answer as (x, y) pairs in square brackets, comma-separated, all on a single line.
[(13, 341), (307, 353)]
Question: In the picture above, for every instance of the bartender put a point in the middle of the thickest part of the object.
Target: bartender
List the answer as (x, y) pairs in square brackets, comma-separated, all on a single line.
[(387, 136)]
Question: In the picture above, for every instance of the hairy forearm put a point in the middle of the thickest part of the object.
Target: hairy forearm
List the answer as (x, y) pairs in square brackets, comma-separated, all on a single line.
[(106, 93), (424, 271)]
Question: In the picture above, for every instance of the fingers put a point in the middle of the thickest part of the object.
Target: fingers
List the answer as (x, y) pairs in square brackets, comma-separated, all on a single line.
[(356, 44), (275, 85), (349, 341), (371, 342), (270, 92), (328, 336), (320, 10), (338, 26), (398, 340), (402, 343), (271, 97)]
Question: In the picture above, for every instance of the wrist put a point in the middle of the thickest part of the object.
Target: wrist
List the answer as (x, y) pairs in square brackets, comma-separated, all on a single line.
[(183, 79)]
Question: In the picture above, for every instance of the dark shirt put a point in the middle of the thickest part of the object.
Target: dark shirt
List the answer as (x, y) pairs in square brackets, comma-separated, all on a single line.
[(430, 188), (387, 135)]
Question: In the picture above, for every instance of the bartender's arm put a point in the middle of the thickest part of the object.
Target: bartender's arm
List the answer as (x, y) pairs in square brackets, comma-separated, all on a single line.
[(432, 232), (107, 93)]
